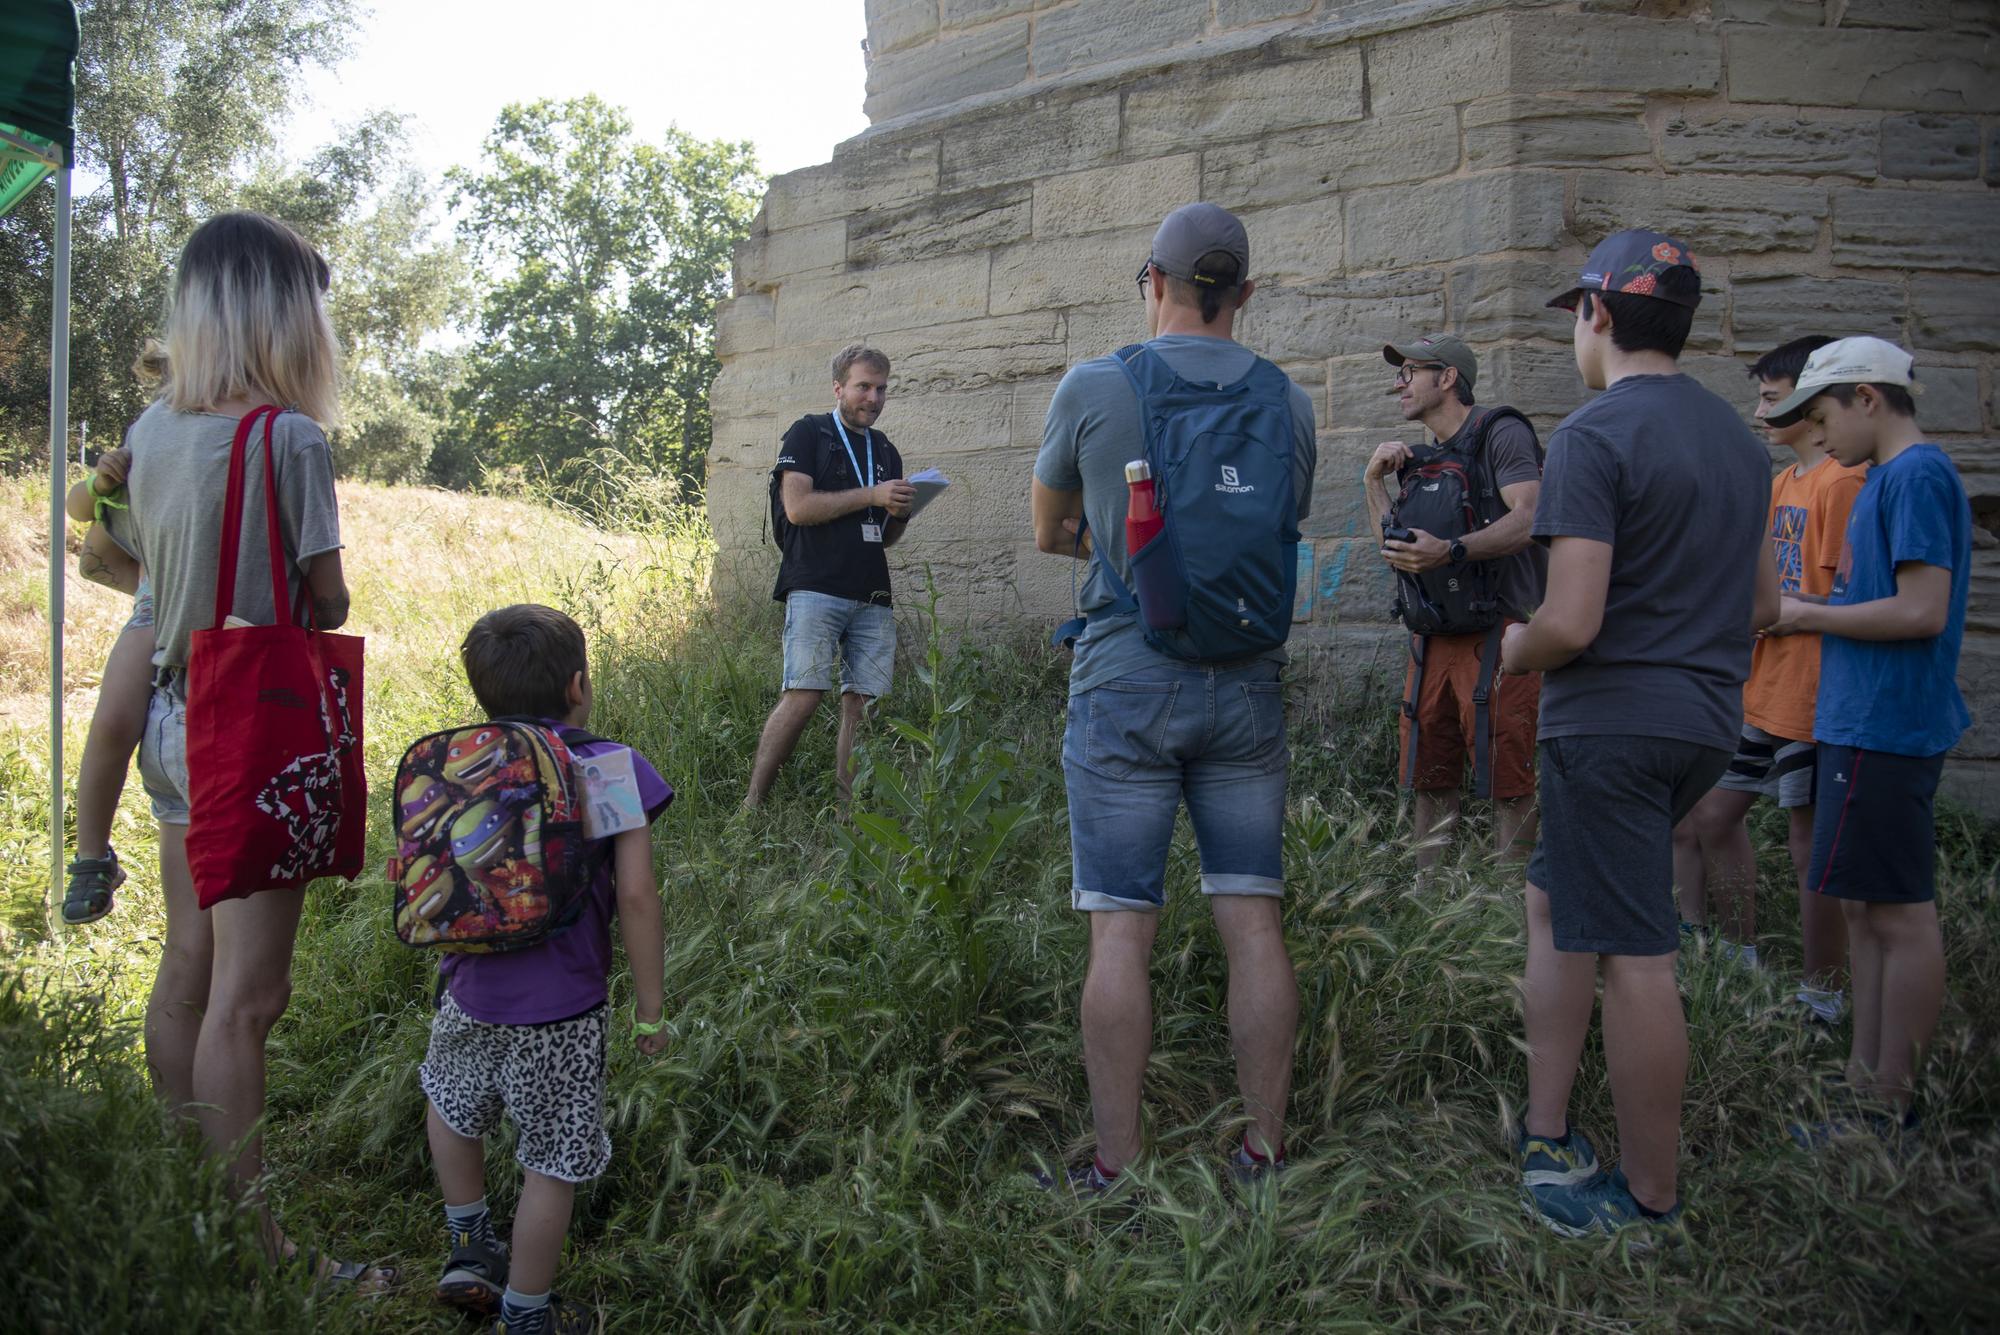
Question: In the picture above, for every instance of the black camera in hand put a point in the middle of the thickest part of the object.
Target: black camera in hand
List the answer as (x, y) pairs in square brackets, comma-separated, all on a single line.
[(1392, 533)]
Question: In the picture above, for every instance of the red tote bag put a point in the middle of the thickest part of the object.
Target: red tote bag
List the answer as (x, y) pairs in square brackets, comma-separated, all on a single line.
[(276, 792)]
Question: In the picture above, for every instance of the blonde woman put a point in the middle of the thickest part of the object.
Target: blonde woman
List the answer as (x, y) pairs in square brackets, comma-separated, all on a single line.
[(246, 326)]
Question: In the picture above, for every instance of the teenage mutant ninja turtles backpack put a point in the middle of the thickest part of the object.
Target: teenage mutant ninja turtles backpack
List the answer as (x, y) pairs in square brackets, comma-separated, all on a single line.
[(490, 852)]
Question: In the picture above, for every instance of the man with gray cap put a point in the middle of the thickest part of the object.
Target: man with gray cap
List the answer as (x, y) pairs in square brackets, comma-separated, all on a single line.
[(1148, 729), (1459, 533)]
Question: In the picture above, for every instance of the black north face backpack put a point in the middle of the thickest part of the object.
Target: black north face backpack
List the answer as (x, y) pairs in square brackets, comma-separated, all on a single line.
[(1451, 494)]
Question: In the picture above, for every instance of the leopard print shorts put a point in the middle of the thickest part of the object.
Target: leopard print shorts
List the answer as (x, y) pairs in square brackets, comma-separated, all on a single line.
[(548, 1077)]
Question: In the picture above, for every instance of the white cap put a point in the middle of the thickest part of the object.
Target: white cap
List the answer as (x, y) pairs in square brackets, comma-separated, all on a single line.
[(1862, 360)]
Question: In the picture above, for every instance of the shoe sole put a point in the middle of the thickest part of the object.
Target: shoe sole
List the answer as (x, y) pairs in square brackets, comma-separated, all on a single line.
[(475, 1295), (1641, 1236), (1548, 1177), (110, 903)]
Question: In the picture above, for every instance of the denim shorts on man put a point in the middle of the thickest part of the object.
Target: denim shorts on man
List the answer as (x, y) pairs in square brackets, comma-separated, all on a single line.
[(1139, 745), (821, 630), (1606, 856), (163, 762), (1874, 830)]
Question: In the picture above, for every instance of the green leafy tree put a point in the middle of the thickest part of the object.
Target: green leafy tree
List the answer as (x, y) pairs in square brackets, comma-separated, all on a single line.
[(598, 334)]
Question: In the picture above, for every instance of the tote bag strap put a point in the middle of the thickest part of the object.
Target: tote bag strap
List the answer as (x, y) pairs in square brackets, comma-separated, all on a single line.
[(302, 611), (232, 515)]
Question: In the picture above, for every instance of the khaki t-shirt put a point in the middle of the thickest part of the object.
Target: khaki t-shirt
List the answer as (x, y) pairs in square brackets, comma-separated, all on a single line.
[(1808, 523), (173, 526)]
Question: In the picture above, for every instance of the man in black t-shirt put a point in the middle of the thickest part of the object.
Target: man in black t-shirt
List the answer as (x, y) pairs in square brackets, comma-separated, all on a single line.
[(839, 504)]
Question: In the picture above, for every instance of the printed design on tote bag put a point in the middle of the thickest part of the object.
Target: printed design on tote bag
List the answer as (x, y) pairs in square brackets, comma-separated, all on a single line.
[(305, 794), (489, 838)]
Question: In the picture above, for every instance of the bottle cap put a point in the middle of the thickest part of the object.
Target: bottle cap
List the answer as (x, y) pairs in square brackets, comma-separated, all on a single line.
[(1138, 471)]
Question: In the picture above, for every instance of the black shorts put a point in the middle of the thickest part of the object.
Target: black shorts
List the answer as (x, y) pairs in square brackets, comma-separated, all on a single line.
[(1874, 832), (1606, 857)]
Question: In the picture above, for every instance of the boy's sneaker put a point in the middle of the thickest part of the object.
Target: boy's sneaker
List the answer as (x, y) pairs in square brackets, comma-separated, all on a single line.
[(1602, 1206), (1248, 1170), (1086, 1182), (1735, 953), (475, 1274), (1822, 1007), (559, 1317), (1567, 1162), (1886, 1127), (91, 882)]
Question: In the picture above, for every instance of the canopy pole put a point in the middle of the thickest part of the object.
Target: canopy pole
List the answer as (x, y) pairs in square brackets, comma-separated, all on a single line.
[(58, 478)]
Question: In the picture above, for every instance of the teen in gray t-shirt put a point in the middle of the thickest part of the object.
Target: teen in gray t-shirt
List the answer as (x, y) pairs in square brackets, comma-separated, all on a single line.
[(180, 469), (1093, 430)]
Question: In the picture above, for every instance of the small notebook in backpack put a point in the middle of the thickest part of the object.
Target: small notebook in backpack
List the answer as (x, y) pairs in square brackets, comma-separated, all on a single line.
[(490, 852)]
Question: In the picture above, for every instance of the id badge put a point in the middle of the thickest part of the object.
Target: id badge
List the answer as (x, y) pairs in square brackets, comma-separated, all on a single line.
[(871, 533), (611, 803)]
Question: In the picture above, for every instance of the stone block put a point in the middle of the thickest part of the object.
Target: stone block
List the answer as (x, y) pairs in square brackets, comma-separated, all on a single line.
[(1786, 13), (1892, 71), (1725, 217), (1091, 32), (948, 225), (744, 324), (892, 297), (1950, 400), (1092, 331), (1451, 219), (1910, 14), (965, 13), (1589, 53), (1979, 680), (1726, 378), (954, 67), (781, 382), (1360, 396), (1243, 13), (1132, 194), (1043, 582), (1916, 229), (896, 24), (1080, 271), (1438, 64), (876, 175), (1177, 112), (1025, 141), (764, 258), (978, 353), (1993, 153), (1930, 148), (1555, 132), (746, 442), (1495, 301), (1540, 380), (1766, 311), (929, 427), (1978, 464), (1339, 509), (1974, 784), (1823, 144), (1342, 317), (1028, 413), (1317, 164), (1296, 243), (1955, 314)]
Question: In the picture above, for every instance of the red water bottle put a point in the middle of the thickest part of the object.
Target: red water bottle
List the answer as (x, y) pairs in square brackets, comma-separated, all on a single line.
[(1143, 520)]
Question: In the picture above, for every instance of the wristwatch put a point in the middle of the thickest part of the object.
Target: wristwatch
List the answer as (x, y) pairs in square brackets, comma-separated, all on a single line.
[(1456, 552)]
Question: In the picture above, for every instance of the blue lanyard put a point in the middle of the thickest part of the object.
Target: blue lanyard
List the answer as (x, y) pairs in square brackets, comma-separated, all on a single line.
[(855, 464)]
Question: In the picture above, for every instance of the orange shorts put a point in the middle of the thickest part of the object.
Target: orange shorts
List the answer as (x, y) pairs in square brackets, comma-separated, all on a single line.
[(1445, 720)]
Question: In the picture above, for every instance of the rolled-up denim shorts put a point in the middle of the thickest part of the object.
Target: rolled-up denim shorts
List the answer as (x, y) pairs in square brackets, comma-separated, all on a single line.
[(1139, 746), (821, 630), (163, 768)]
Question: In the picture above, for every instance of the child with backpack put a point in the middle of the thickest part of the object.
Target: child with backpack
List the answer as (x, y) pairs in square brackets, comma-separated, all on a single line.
[(1889, 709), (519, 841)]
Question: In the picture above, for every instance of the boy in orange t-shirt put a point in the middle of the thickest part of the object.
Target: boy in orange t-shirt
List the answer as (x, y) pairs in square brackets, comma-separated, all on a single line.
[(1714, 865)]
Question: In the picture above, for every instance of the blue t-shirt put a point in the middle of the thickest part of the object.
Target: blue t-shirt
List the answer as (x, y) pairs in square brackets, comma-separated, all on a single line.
[(1899, 696)]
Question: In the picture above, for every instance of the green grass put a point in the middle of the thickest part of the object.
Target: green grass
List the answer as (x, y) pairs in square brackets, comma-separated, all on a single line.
[(877, 1024)]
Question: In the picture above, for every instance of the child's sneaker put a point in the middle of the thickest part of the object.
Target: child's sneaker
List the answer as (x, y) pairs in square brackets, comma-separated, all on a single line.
[(1604, 1205), (559, 1317), (1565, 1162), (1086, 1182), (1822, 1006), (1248, 1169), (475, 1274), (91, 882)]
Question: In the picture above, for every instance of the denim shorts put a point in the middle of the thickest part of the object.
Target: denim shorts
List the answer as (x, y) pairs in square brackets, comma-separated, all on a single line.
[(163, 760), (820, 629), (1138, 745)]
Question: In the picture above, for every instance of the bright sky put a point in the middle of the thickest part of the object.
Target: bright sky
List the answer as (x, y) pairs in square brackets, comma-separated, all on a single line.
[(785, 74)]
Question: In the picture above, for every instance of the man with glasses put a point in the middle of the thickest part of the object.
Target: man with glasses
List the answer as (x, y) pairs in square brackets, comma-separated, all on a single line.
[(1454, 706), (1147, 731)]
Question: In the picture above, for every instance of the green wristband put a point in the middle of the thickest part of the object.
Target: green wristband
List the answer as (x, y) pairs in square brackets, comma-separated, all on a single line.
[(103, 503), (646, 1030)]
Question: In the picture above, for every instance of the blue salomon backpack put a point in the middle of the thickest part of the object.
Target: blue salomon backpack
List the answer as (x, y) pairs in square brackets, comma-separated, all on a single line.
[(1218, 581)]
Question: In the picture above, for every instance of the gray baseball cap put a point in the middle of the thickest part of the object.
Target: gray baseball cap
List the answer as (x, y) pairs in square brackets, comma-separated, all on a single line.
[(1193, 232), (1443, 349)]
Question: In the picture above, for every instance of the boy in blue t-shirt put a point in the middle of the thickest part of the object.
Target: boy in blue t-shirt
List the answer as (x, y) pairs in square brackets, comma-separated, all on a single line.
[(1889, 704), (526, 1031)]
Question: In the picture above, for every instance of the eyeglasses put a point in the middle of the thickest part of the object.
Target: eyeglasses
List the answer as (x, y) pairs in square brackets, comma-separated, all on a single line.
[(1145, 270), (1408, 371)]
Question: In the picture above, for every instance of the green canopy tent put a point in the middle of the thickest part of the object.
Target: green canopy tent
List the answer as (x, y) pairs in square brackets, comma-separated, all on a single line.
[(38, 43)]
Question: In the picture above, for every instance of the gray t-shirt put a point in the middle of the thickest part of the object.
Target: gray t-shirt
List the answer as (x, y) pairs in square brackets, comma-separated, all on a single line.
[(1510, 449), (1092, 431), (180, 469), (1668, 474)]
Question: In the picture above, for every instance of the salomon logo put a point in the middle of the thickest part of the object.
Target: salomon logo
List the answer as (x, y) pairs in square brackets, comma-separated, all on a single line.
[(1229, 484)]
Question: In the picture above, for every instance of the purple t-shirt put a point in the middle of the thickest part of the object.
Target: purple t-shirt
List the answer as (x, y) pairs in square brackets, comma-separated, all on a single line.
[(567, 975)]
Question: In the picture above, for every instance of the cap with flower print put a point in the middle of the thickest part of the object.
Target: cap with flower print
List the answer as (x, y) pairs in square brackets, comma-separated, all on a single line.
[(1632, 262)]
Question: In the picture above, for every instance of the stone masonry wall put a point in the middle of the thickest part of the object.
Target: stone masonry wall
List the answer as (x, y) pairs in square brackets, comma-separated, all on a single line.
[(1401, 167)]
